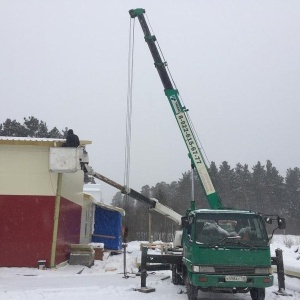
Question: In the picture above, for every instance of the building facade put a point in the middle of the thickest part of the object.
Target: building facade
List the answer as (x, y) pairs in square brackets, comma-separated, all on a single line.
[(42, 211)]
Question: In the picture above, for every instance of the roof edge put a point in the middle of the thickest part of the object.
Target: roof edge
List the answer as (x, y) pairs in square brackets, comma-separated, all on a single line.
[(31, 141)]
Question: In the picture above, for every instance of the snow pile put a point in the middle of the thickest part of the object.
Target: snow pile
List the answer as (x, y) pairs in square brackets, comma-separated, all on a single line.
[(290, 246), (97, 245)]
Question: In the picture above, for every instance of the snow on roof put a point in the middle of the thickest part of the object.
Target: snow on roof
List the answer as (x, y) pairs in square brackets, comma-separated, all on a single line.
[(111, 207), (103, 205), (14, 140)]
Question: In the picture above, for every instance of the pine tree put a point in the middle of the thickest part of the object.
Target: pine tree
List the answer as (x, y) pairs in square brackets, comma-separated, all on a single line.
[(292, 199), (228, 184), (12, 128), (258, 187), (31, 127), (274, 189), (244, 193)]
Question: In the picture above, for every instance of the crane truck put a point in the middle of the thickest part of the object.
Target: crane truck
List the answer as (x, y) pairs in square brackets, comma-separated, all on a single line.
[(224, 250)]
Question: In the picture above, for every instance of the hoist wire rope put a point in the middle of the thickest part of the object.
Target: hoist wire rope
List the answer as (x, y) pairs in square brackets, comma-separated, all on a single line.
[(129, 104), (181, 99), (128, 126)]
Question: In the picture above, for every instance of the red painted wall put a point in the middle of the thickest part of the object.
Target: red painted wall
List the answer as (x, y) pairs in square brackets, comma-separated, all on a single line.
[(26, 228), (68, 229)]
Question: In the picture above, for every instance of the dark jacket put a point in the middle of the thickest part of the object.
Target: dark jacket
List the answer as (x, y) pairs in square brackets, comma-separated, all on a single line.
[(72, 140)]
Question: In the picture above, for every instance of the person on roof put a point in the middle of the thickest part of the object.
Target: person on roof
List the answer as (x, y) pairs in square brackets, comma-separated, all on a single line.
[(72, 140)]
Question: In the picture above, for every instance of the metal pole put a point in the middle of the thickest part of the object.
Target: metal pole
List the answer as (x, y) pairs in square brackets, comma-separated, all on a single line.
[(124, 259), (144, 267), (56, 219), (150, 226)]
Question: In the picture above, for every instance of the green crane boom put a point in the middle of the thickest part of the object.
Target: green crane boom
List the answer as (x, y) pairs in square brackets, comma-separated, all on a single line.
[(180, 114)]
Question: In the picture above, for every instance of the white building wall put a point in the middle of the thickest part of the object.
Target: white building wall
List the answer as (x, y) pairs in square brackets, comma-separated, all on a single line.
[(24, 171), (87, 220), (94, 190)]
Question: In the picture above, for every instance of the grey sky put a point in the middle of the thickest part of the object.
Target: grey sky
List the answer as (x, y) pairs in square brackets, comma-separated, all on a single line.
[(235, 63)]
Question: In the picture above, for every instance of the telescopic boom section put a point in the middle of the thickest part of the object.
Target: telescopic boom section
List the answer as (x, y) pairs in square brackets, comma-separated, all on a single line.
[(150, 39), (152, 203), (180, 113)]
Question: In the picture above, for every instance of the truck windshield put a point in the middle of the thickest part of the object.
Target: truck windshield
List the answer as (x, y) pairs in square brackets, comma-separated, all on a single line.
[(230, 228)]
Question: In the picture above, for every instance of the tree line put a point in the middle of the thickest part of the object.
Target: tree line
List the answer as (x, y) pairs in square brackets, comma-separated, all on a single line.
[(260, 189), (31, 127)]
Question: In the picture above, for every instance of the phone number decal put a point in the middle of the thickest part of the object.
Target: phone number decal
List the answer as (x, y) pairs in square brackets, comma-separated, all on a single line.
[(195, 152)]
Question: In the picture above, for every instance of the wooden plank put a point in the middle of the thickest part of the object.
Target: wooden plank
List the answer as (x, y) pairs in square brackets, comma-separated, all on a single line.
[(104, 236)]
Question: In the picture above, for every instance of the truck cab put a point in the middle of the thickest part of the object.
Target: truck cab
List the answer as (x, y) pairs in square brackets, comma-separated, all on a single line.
[(226, 251)]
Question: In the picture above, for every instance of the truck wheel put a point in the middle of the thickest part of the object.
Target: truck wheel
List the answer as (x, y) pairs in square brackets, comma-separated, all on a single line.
[(257, 293), (192, 291), (174, 275)]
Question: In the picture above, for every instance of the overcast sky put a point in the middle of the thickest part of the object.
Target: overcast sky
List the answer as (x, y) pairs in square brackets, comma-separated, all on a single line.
[(236, 65)]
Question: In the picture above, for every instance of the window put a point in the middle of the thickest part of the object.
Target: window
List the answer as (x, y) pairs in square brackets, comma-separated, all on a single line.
[(230, 228)]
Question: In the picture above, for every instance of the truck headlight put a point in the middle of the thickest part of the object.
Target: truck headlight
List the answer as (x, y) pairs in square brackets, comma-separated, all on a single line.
[(203, 269), (196, 269), (263, 271)]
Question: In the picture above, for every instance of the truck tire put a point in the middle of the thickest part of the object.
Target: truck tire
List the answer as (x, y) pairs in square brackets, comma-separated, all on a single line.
[(257, 293), (191, 290), (177, 275), (174, 275)]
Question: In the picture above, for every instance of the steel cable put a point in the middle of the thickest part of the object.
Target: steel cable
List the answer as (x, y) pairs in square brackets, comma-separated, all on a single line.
[(129, 105)]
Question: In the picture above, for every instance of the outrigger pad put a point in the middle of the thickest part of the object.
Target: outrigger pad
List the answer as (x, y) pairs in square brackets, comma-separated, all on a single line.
[(282, 292), (145, 290)]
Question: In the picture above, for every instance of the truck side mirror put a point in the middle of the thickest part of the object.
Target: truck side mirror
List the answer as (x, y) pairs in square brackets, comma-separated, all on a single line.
[(184, 222), (281, 223)]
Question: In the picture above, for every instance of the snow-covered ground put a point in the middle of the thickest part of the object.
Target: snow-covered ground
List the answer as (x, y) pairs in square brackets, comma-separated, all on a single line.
[(105, 280)]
